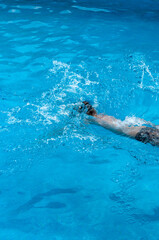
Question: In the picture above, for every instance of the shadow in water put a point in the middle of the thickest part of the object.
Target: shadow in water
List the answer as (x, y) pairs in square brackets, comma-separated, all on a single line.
[(148, 217), (37, 198), (54, 205)]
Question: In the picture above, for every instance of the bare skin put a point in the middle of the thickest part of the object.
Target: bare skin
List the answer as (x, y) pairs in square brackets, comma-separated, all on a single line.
[(115, 125)]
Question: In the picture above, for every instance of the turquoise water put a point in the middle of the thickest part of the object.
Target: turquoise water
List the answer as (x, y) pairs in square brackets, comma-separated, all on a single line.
[(60, 178)]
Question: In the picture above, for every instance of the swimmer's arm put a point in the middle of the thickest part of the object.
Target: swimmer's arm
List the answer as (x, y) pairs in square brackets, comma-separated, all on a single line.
[(109, 122), (115, 125)]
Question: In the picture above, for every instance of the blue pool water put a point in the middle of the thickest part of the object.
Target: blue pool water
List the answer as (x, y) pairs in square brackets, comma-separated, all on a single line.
[(60, 178)]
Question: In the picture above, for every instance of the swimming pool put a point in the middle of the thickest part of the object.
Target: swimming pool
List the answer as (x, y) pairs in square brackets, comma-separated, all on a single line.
[(62, 178)]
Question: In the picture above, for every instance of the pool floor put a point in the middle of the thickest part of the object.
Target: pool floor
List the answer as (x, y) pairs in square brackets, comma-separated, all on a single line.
[(61, 178)]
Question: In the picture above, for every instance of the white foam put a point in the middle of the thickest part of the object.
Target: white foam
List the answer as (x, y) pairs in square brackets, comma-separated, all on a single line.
[(57, 65), (28, 7), (145, 69), (3, 129), (131, 121), (14, 11), (65, 12), (53, 105), (44, 111), (92, 9), (85, 138), (13, 120)]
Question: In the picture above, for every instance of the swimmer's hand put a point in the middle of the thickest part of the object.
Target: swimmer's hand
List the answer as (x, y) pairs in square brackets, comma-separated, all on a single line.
[(90, 110)]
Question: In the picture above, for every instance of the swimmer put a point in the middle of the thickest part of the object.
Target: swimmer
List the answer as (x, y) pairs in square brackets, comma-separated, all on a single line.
[(141, 133)]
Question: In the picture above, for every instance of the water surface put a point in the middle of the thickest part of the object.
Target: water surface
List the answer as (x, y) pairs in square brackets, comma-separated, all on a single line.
[(62, 178)]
